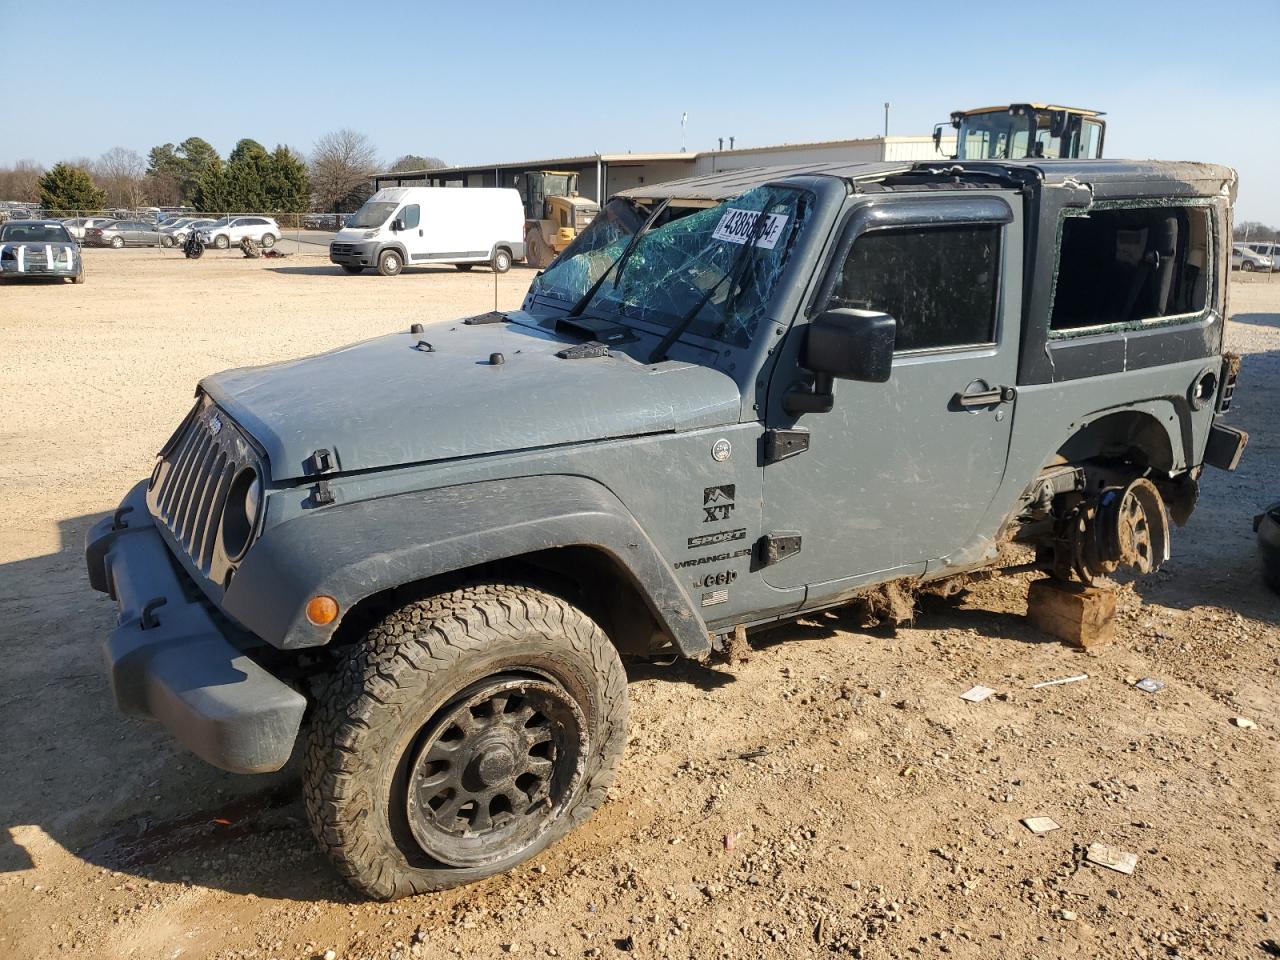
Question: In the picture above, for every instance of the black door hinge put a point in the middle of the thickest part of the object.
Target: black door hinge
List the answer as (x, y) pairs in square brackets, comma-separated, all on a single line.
[(781, 444), (776, 547)]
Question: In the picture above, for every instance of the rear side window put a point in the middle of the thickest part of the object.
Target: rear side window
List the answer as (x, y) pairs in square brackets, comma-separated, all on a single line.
[(409, 216), (939, 283), (1130, 266)]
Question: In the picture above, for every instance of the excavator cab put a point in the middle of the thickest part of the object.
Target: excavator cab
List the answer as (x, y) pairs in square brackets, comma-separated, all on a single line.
[(1038, 130)]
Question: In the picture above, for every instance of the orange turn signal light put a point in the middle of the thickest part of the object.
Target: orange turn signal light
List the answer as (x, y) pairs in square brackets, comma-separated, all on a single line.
[(322, 610)]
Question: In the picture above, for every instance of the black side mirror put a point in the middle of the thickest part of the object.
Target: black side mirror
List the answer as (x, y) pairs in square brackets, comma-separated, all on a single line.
[(844, 344), (397, 225), (937, 138)]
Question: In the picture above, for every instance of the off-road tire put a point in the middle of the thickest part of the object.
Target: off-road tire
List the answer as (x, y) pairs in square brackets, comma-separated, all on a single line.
[(372, 714), (352, 268), (501, 261), (390, 263), (222, 241)]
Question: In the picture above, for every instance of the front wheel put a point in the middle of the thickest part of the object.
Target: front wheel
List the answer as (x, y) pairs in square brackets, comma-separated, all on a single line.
[(222, 241), (466, 733), (78, 278), (117, 242), (501, 262), (268, 241), (167, 241), (1247, 267), (390, 264)]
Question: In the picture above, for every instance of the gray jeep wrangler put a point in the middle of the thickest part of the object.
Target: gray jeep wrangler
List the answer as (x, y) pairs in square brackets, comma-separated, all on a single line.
[(731, 402)]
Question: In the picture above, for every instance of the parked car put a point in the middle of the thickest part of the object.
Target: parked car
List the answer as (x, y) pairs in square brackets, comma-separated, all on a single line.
[(1244, 257), (123, 233), (1266, 248), (435, 545), (225, 231), (39, 248), (400, 226), (179, 234), (76, 226)]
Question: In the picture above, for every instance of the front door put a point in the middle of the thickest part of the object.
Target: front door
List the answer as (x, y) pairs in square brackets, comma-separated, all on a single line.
[(901, 473)]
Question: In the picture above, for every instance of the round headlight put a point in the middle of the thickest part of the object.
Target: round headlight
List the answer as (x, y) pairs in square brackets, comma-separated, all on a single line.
[(240, 515)]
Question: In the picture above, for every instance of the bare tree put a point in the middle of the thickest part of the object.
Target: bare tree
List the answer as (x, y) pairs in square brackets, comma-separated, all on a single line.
[(122, 174), (21, 181), (341, 162)]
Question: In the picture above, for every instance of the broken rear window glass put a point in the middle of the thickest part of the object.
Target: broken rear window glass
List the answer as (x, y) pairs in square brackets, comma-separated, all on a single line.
[(1131, 266), (718, 266)]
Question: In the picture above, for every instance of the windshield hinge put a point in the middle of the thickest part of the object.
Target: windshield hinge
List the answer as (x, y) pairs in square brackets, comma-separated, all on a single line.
[(584, 351), (321, 462), (775, 547), (493, 316), (782, 444)]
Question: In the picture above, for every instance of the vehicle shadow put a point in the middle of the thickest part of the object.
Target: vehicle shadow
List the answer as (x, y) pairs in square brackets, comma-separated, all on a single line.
[(116, 792), (1257, 319)]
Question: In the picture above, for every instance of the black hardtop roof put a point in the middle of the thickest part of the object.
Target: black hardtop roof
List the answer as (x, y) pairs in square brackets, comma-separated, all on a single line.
[(1130, 177)]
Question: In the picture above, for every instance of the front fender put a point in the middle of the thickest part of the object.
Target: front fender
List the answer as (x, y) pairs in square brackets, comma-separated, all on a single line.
[(352, 551)]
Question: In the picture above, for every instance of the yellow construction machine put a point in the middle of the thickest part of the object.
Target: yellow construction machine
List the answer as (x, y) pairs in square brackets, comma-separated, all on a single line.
[(1017, 130), (554, 214)]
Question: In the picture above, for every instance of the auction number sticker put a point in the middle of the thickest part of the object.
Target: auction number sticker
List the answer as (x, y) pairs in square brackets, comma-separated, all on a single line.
[(738, 226)]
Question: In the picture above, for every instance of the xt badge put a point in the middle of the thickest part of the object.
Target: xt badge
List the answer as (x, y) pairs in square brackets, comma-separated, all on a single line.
[(717, 503)]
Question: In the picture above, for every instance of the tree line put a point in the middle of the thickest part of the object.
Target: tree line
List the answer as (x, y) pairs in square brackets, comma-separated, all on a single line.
[(335, 177)]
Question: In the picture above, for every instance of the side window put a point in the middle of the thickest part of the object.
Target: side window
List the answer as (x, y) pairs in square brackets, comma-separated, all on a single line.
[(410, 216), (1127, 266), (939, 283)]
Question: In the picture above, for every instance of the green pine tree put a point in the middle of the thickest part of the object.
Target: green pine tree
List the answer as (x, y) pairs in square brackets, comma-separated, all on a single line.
[(66, 189)]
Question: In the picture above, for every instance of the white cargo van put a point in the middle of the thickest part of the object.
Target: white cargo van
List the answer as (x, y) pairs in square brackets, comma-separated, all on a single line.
[(402, 226)]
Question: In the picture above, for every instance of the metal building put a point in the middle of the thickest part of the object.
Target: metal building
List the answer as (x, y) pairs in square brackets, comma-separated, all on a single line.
[(602, 174)]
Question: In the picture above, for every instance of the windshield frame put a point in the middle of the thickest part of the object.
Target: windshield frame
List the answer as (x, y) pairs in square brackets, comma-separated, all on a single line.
[(4, 227)]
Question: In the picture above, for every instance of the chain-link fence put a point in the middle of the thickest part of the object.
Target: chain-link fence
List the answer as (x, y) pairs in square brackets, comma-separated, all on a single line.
[(165, 231)]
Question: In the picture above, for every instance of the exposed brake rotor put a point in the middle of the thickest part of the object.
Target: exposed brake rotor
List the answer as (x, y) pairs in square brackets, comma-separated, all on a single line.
[(1126, 527)]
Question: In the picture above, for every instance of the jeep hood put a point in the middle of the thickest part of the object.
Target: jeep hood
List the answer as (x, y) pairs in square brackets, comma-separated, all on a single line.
[(390, 401)]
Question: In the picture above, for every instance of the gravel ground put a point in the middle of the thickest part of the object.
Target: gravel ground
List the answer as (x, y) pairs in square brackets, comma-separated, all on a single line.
[(831, 795)]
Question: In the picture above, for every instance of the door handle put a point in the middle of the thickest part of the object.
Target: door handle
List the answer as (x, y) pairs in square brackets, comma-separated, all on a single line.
[(986, 398)]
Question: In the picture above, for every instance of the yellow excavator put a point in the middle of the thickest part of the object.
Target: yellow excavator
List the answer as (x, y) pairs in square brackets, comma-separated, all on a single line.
[(554, 214), (1016, 130)]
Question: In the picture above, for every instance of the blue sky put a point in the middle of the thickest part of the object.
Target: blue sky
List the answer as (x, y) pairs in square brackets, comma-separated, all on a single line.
[(497, 81)]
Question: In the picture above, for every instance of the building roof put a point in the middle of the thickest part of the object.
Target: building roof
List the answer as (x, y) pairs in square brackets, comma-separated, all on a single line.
[(623, 159)]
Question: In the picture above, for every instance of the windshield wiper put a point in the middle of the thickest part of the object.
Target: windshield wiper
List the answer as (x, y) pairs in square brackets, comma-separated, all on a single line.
[(583, 301), (738, 269)]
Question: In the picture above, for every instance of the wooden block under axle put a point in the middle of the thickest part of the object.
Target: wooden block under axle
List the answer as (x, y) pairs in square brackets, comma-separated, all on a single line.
[(1082, 616)]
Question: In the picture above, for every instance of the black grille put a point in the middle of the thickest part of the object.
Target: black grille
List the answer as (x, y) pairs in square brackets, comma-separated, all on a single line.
[(189, 488), (342, 249)]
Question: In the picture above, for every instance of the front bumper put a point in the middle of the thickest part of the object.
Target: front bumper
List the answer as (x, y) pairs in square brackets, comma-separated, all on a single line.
[(169, 660), (354, 254)]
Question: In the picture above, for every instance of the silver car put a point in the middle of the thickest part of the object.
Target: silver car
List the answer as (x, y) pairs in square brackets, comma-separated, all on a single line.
[(76, 226), (1244, 257), (123, 233), (39, 248)]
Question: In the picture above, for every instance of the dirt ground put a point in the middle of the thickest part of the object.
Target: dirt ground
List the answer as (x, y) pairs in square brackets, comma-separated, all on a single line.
[(832, 795)]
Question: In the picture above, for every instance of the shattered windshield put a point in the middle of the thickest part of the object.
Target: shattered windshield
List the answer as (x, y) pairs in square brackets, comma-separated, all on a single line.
[(715, 269), (591, 253)]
